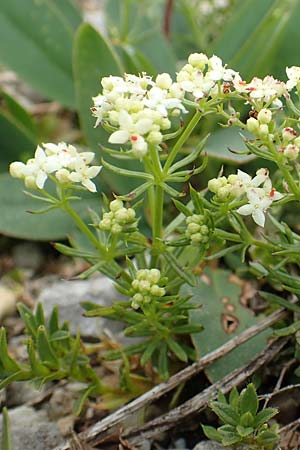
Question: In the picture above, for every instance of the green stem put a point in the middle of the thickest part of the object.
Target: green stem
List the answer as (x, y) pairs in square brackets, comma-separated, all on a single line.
[(289, 179), (182, 139), (83, 227)]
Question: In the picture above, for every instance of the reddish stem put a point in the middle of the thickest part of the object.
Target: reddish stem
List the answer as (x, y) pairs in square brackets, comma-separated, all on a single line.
[(167, 18)]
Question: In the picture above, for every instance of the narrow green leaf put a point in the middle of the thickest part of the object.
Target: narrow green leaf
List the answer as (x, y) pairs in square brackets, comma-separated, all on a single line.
[(163, 362), (279, 301), (45, 349), (150, 349), (9, 364), (54, 321), (176, 348), (6, 443)]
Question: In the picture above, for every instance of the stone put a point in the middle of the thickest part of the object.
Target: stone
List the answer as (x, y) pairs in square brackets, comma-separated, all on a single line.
[(8, 300), (69, 294), (209, 445), (32, 430)]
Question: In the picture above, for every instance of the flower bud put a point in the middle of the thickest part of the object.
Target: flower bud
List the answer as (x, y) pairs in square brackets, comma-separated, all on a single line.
[(16, 169), (154, 137), (252, 125), (263, 130), (291, 152), (116, 228), (163, 81), (115, 205), (157, 291), (154, 275), (264, 116), (193, 228), (198, 60), (62, 176), (288, 134)]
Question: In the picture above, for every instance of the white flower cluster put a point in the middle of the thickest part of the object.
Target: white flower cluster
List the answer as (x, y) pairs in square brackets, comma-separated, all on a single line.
[(260, 91), (260, 126), (293, 74), (258, 190), (207, 8), (138, 109), (202, 76), (63, 160), (118, 218), (146, 286), (197, 230)]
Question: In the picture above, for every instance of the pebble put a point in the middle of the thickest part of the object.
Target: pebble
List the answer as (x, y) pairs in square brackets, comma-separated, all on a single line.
[(32, 430), (69, 294)]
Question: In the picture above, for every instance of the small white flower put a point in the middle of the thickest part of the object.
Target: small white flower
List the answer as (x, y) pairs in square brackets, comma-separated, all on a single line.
[(259, 202), (293, 74), (83, 174)]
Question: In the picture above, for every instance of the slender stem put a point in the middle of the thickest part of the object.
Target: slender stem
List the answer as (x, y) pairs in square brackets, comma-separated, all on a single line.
[(82, 226), (290, 180), (182, 139)]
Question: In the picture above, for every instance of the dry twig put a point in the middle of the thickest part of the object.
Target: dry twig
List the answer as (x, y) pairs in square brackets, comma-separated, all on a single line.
[(111, 423)]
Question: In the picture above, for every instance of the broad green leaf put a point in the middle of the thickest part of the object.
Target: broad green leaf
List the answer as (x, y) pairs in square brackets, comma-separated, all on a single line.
[(249, 400), (16, 221), (94, 59), (249, 40), (287, 49), (36, 42), (223, 317), (135, 28), (226, 144), (18, 133)]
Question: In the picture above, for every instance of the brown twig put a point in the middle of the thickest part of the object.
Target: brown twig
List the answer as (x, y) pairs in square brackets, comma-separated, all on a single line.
[(167, 18), (200, 401), (111, 423)]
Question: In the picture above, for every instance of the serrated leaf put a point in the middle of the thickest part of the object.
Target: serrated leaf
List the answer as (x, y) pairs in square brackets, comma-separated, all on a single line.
[(223, 318), (234, 399), (225, 412), (246, 419), (264, 416), (244, 431), (249, 400), (267, 437), (212, 433)]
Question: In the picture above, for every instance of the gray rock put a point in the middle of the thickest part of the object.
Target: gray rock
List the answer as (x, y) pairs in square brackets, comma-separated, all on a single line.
[(210, 445), (31, 430), (69, 294)]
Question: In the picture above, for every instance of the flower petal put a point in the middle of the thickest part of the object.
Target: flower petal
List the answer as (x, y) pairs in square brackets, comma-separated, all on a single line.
[(119, 137)]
